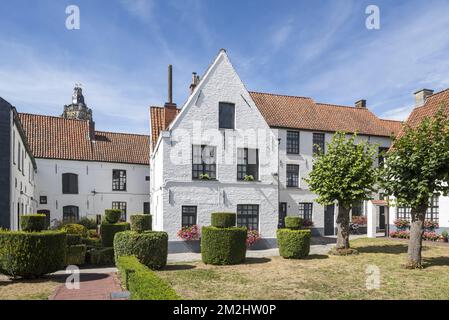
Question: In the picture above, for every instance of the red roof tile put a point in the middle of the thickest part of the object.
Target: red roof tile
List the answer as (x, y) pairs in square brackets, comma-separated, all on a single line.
[(160, 119), (430, 108)]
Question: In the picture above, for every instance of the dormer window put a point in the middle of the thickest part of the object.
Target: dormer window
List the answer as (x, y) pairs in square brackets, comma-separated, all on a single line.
[(226, 116)]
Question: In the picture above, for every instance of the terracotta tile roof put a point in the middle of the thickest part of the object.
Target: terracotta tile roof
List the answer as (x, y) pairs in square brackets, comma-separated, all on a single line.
[(394, 126), (57, 138), (160, 119), (304, 113)]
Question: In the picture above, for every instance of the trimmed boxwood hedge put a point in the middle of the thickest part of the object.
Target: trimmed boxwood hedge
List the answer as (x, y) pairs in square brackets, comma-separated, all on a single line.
[(112, 215), (150, 247), (293, 244), (91, 242), (223, 246), (140, 222), (73, 239), (33, 222), (223, 219), (76, 255), (108, 231), (32, 254), (294, 223), (74, 228), (101, 256), (142, 283)]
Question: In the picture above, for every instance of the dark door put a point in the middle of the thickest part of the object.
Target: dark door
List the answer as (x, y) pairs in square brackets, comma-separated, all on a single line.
[(282, 214), (329, 220), (382, 217)]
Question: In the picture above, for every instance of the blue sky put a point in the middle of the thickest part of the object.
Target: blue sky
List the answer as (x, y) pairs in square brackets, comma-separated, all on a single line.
[(310, 48)]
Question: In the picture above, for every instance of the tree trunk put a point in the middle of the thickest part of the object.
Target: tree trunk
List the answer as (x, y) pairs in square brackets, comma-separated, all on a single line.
[(342, 227), (418, 215)]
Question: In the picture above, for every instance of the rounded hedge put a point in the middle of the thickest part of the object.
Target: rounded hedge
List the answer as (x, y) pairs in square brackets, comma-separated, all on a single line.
[(223, 246), (88, 222), (74, 228), (150, 247), (223, 219), (32, 254), (76, 255), (293, 244), (112, 215), (294, 223), (140, 222), (101, 256), (108, 231), (33, 222), (73, 239)]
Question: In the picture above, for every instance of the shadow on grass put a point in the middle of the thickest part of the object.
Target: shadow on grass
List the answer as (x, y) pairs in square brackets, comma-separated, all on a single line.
[(322, 240), (256, 260), (436, 261), (178, 267), (387, 249), (316, 257), (61, 278)]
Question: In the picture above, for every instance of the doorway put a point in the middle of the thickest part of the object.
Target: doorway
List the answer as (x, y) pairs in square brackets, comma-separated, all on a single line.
[(282, 214), (382, 218)]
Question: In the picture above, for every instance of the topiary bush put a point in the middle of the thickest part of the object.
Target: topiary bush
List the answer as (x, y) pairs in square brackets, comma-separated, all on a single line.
[(73, 239), (293, 244), (223, 246), (76, 255), (88, 223), (150, 247), (294, 223), (112, 215), (223, 219), (142, 283), (140, 222), (91, 242), (74, 228), (33, 222), (108, 231), (32, 254), (101, 256)]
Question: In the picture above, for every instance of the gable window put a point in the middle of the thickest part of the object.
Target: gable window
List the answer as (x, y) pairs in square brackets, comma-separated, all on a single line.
[(247, 163), (226, 115), (293, 142), (120, 206), (188, 216), (305, 210), (118, 180), (318, 143), (70, 214), (381, 156), (248, 216), (292, 175), (69, 183), (203, 162)]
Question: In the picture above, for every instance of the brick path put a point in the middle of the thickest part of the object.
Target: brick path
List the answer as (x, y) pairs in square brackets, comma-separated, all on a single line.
[(93, 286)]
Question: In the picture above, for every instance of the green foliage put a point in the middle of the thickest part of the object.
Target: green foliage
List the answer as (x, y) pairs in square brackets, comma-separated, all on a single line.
[(140, 222), (73, 239), (91, 242), (345, 173), (33, 222), (32, 254), (101, 256), (223, 246), (294, 223), (150, 247), (293, 244), (88, 223), (418, 164), (142, 283), (223, 219), (112, 215), (74, 228), (76, 255), (108, 231)]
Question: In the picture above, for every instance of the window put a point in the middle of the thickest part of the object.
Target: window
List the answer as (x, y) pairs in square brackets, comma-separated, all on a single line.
[(203, 161), (147, 178), (357, 208), (69, 183), (43, 199), (403, 213), (318, 143), (188, 216), (248, 216), (247, 163), (293, 142), (305, 210), (432, 213), (292, 175), (381, 156), (14, 147), (70, 214), (118, 180), (146, 208), (120, 206), (226, 116)]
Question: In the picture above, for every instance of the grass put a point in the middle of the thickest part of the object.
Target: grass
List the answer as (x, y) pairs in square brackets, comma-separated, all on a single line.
[(319, 276), (39, 289)]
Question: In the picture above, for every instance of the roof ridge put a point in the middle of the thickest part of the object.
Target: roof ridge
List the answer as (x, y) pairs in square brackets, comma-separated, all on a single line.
[(51, 116), (390, 120), (127, 133), (437, 93), (340, 106), (280, 95)]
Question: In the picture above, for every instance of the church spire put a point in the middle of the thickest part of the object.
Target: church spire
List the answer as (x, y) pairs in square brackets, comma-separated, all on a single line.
[(78, 108)]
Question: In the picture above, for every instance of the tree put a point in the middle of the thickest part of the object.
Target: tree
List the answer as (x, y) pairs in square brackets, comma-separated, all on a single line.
[(416, 167), (344, 174)]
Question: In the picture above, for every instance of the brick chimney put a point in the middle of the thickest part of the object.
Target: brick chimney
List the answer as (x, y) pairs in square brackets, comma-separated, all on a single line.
[(195, 81), (170, 108), (421, 96), (361, 104)]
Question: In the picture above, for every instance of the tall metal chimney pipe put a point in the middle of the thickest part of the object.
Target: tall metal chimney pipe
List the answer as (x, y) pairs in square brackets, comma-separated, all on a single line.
[(170, 83)]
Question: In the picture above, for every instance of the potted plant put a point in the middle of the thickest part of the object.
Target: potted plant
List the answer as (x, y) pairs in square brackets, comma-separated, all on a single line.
[(204, 176), (248, 178), (190, 235), (443, 236), (253, 237)]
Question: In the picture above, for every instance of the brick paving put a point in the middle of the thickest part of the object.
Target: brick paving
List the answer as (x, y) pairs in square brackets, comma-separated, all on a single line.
[(93, 286)]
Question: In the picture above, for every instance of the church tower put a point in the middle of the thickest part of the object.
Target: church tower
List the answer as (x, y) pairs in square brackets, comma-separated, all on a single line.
[(78, 108)]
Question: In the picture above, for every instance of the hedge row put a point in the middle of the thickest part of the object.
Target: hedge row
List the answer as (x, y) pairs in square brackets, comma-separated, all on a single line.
[(223, 246), (101, 256), (223, 219), (33, 222), (142, 283), (76, 255), (109, 230)]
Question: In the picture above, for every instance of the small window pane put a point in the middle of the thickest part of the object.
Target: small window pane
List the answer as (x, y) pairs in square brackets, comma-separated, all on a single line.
[(305, 210), (247, 163), (70, 214), (226, 115), (203, 161), (293, 142), (120, 206), (248, 216), (318, 143), (188, 216), (119, 180), (69, 183), (292, 175)]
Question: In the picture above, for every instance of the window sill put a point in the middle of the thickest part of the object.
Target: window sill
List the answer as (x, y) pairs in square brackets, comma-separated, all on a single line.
[(248, 181), (204, 180)]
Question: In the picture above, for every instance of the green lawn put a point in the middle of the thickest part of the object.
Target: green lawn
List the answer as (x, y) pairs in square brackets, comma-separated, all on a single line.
[(319, 276)]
